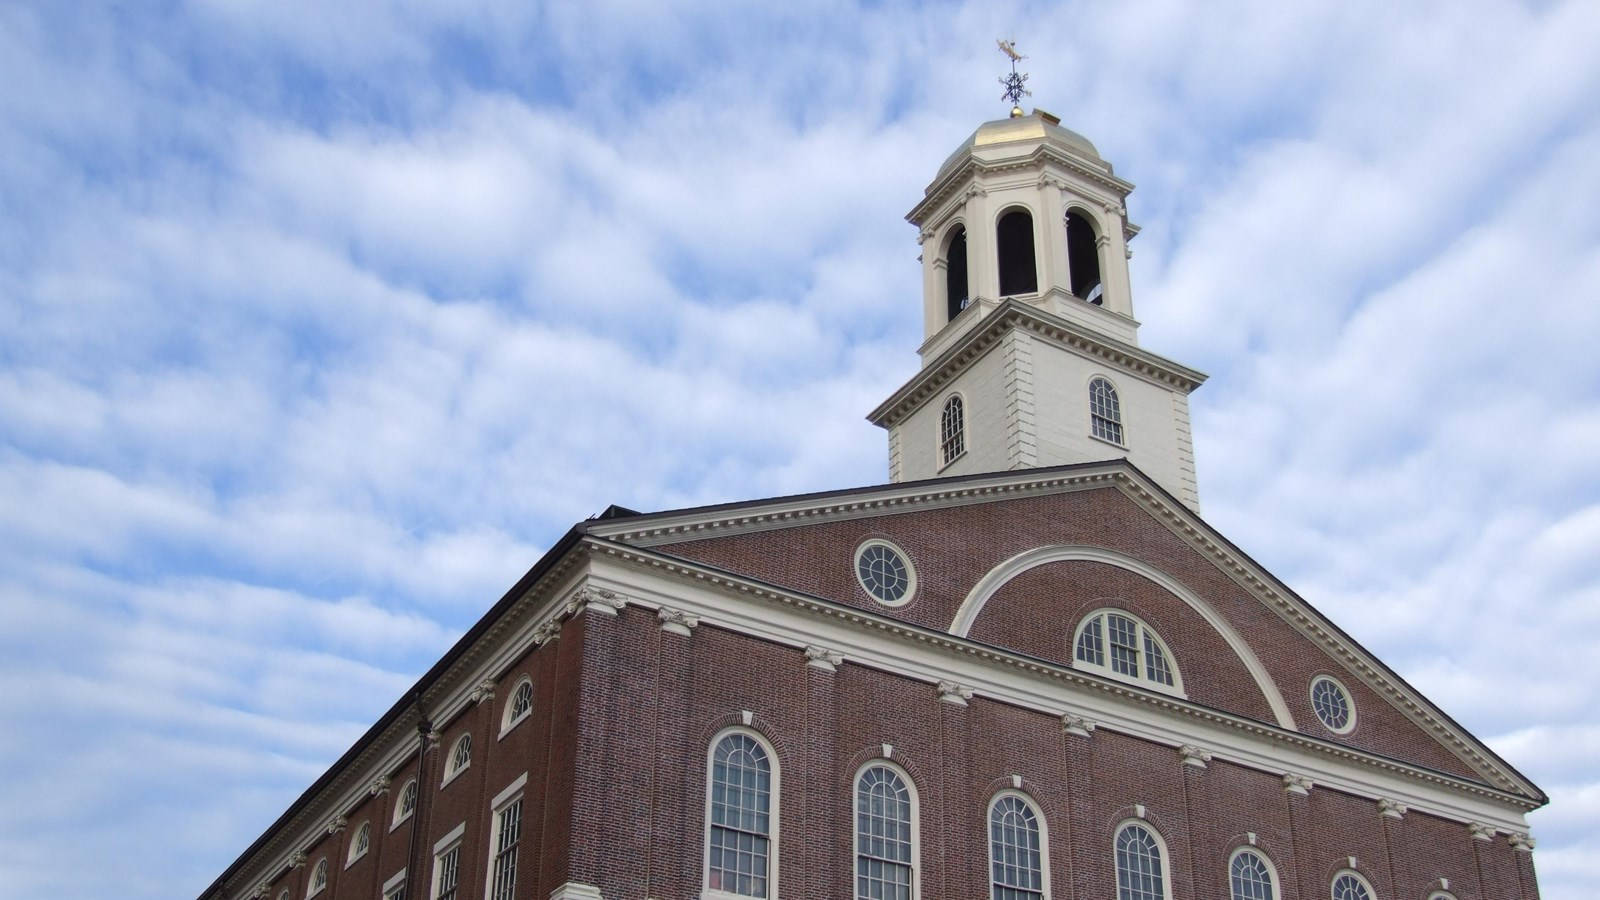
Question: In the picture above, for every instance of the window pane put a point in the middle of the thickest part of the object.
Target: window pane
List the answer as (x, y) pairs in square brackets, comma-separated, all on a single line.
[(1249, 878), (1138, 865), (1155, 662), (1014, 855), (1124, 639), (1090, 648)]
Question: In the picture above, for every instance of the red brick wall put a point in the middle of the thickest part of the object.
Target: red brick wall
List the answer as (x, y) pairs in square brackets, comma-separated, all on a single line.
[(652, 702), (952, 549)]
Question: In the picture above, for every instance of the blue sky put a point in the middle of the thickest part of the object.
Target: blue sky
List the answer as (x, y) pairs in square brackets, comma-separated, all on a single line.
[(320, 322)]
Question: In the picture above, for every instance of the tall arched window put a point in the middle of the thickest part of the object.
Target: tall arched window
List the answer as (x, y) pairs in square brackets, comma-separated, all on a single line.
[(407, 804), (1250, 876), (362, 843), (955, 273), (1105, 413), (521, 704), (1123, 646), (1016, 850), (1348, 885), (1141, 868), (460, 758), (885, 835), (1083, 258), (319, 879), (952, 430), (1014, 241), (742, 804)]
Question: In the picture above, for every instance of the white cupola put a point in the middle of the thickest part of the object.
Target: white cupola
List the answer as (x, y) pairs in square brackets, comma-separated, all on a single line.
[(1030, 350)]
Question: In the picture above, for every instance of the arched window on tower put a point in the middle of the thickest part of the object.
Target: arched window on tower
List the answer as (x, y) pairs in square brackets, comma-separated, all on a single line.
[(952, 430), (1014, 238), (1105, 413), (1083, 258), (955, 273)]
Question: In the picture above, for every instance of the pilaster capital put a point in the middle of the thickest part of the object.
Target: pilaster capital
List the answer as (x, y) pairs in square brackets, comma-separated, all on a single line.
[(432, 739), (598, 600), (337, 824), (1299, 785), (954, 693), (1481, 831), (1082, 726), (1393, 809), (484, 692), (676, 621), (380, 785), (1194, 756), (298, 860), (1521, 840), (823, 658), (547, 632)]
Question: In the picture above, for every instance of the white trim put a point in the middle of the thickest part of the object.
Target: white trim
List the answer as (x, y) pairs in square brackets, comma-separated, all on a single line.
[(1272, 867), (443, 844), (997, 577), (355, 841), (576, 890), (1349, 703), (394, 881), (774, 810), (1161, 844), (1140, 667), (916, 818), (1044, 833), (451, 770), (504, 797), (506, 721), (401, 814), (905, 558)]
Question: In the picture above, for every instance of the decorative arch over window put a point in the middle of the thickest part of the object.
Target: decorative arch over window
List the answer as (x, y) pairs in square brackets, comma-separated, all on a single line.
[(886, 833), (407, 804), (1251, 876), (361, 844), (741, 816), (460, 757), (956, 289), (1105, 412), (1019, 274), (1121, 645), (1349, 885), (1141, 864), (1083, 257), (1018, 849), (319, 878), (952, 430), (521, 704)]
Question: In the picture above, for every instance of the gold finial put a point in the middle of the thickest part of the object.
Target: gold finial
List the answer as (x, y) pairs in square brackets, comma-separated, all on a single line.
[(1013, 82)]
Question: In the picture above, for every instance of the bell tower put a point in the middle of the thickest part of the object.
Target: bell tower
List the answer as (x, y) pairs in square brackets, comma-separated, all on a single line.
[(1030, 352)]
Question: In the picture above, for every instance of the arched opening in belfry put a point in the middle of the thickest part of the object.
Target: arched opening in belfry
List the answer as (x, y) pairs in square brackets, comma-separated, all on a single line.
[(1083, 258), (955, 272), (1014, 238)]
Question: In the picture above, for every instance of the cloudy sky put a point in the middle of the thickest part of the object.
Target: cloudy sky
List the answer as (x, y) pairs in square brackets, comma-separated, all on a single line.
[(320, 322)]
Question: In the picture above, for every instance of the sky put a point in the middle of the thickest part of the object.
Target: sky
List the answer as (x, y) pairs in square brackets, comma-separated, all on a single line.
[(320, 322)]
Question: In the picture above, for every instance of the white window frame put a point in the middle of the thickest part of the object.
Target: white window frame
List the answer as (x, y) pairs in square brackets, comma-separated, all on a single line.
[(283, 894), (1116, 394), (508, 721), (1349, 703), (1161, 844), (911, 571), (441, 848), (774, 811), (938, 433), (401, 814), (355, 843), (1272, 869), (395, 881), (916, 823), (1371, 894), (1105, 668), (452, 771), (312, 887), (1044, 837), (508, 795)]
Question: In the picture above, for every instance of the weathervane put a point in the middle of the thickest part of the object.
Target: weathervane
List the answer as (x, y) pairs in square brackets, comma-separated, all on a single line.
[(1015, 81)]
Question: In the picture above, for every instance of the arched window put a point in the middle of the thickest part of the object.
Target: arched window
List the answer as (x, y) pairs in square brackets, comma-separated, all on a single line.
[(1014, 240), (1141, 868), (1348, 885), (742, 794), (1105, 414), (1123, 646), (1083, 258), (319, 878), (885, 835), (362, 843), (956, 291), (1016, 850), (520, 706), (1250, 876), (952, 430), (283, 894), (407, 804), (460, 758)]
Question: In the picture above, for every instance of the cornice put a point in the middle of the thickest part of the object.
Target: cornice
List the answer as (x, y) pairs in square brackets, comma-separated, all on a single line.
[(952, 180), (1012, 314)]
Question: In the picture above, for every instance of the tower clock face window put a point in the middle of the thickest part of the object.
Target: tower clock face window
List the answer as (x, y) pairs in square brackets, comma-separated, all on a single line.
[(1331, 702), (885, 573)]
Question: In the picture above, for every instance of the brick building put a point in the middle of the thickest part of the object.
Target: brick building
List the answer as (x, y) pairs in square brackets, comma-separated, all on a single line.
[(1024, 668)]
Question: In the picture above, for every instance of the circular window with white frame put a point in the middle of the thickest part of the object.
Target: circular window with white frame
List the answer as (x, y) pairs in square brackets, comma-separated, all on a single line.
[(885, 573), (1332, 704)]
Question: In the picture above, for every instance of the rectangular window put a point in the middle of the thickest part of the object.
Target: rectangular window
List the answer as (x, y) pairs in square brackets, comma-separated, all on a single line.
[(508, 827), (447, 873), (1124, 645)]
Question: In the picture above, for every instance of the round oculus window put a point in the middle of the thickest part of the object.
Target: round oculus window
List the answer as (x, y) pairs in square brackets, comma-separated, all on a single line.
[(1332, 705), (884, 573)]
